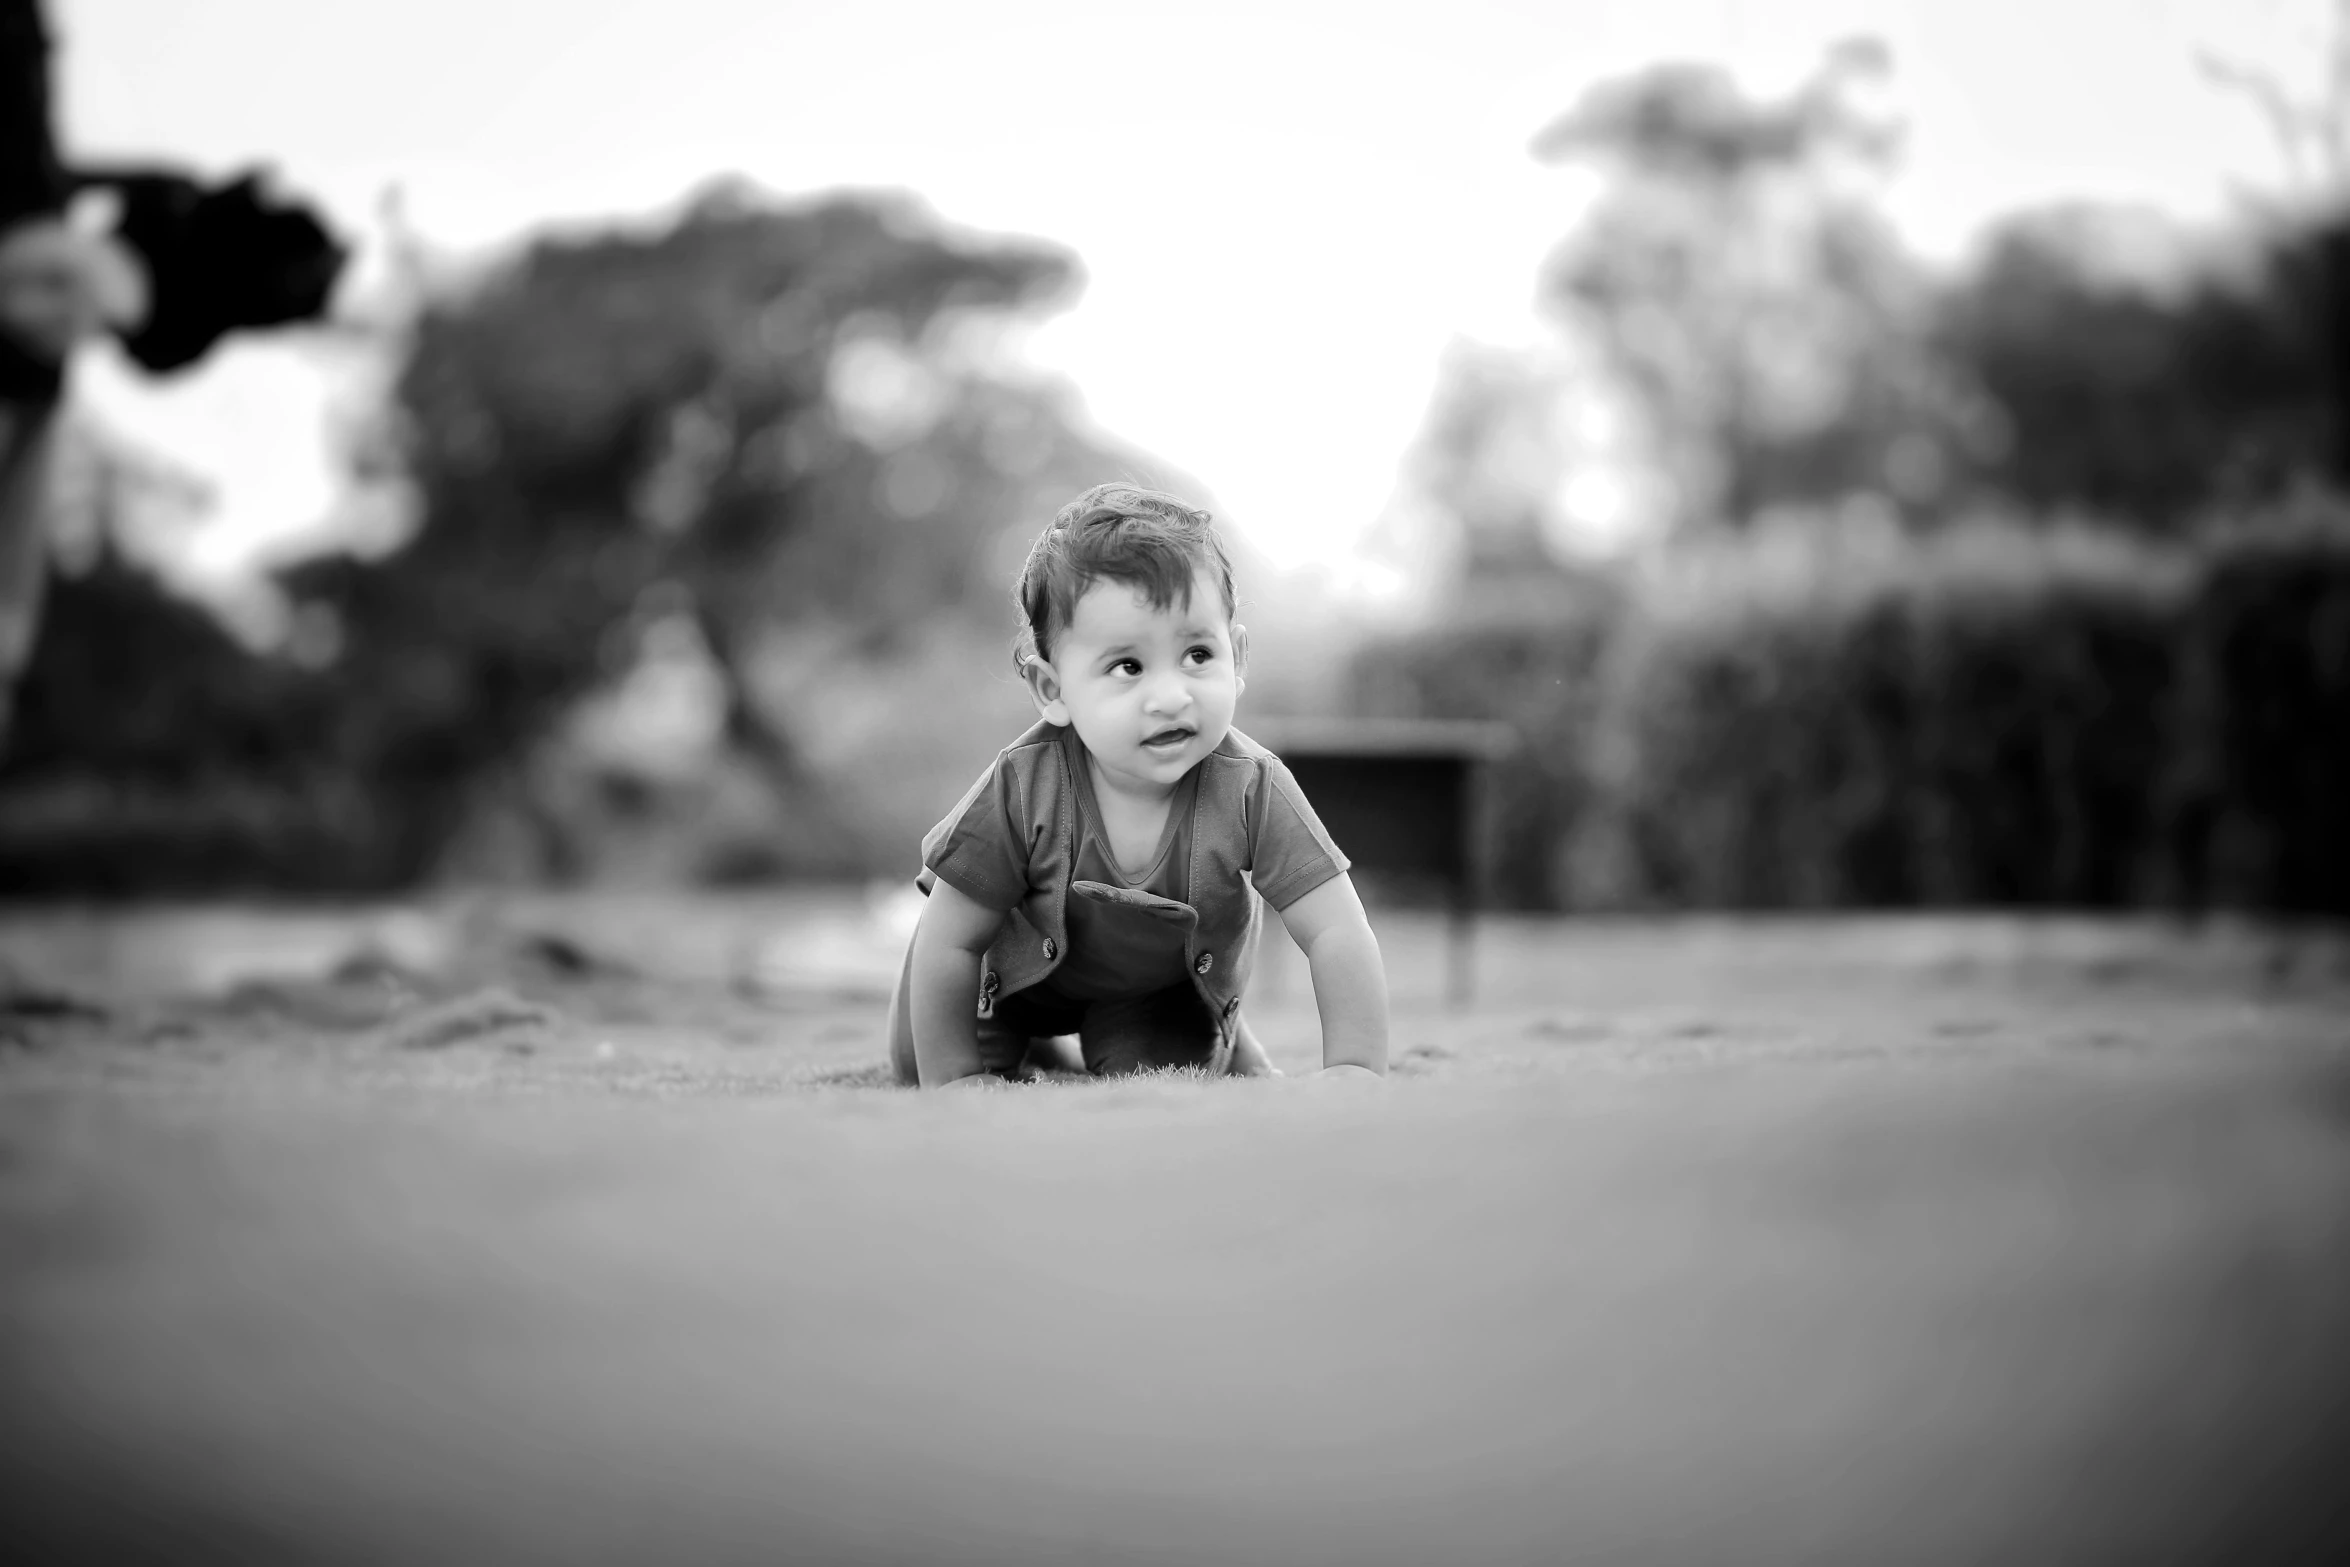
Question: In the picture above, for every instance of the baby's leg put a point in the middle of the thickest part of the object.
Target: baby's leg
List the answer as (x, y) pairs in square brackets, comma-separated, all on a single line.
[(901, 1025), (1055, 1053), (1170, 1027)]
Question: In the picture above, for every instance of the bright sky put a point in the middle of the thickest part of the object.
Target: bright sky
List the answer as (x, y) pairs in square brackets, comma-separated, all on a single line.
[(1287, 208)]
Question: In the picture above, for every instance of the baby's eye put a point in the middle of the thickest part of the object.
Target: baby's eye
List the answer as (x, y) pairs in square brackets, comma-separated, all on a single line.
[(1127, 666), (1202, 655)]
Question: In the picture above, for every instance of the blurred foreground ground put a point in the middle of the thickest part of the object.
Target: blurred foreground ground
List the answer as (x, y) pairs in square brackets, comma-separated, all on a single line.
[(570, 1230)]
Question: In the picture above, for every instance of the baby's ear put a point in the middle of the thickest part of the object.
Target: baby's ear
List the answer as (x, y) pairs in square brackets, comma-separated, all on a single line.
[(1240, 654), (1044, 689)]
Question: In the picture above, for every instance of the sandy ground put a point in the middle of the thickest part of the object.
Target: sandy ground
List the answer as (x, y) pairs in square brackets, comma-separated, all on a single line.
[(587, 1230)]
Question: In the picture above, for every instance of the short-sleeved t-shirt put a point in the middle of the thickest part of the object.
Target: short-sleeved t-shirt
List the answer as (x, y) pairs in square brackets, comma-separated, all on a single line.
[(1117, 952)]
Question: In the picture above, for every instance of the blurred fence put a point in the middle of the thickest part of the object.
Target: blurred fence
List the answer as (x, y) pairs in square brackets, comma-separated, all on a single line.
[(1820, 716)]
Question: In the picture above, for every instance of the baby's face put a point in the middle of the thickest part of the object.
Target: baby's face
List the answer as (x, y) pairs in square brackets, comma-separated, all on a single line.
[(1150, 691)]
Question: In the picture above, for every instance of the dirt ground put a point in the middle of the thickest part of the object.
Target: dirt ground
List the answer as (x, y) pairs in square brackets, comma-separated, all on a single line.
[(590, 1230)]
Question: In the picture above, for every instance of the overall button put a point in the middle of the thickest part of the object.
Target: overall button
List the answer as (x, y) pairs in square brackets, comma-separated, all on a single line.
[(1050, 951), (1231, 1006), (1207, 961)]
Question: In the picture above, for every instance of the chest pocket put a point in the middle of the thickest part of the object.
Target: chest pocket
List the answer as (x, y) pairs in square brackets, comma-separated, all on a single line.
[(1124, 942), (1132, 900)]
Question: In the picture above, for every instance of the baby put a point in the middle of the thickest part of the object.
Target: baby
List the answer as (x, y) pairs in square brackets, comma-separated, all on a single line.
[(1101, 878)]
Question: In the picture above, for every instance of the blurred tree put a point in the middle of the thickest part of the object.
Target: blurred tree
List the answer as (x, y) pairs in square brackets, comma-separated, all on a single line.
[(755, 419), (762, 418), (2309, 119), (2153, 388), (2153, 400), (788, 427), (1750, 303), (1488, 462)]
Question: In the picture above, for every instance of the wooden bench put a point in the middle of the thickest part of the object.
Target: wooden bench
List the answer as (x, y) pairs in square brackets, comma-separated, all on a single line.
[(1400, 796)]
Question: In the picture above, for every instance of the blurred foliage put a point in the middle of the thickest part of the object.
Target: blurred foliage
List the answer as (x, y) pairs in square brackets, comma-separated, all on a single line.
[(760, 419), (2147, 402), (1740, 302), (787, 431), (1806, 718), (2022, 587), (1750, 302), (1829, 713), (154, 750)]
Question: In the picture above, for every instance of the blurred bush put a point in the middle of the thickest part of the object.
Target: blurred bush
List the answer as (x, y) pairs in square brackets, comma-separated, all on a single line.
[(1799, 718), (1833, 712), (152, 749), (2264, 713)]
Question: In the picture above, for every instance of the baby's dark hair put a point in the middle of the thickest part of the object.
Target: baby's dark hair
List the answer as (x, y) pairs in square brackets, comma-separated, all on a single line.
[(1148, 540)]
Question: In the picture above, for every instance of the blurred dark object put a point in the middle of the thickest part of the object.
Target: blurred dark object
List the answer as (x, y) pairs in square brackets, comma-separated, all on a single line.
[(1539, 677), (2333, 269), (31, 179), (28, 432), (25, 1001), (28, 376), (219, 258), (1401, 797), (31, 185)]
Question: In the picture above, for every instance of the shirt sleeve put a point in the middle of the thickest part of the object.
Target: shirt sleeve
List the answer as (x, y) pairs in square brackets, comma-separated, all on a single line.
[(981, 847), (1292, 854)]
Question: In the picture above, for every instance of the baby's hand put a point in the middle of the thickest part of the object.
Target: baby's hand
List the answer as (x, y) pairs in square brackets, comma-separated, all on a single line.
[(1344, 1072)]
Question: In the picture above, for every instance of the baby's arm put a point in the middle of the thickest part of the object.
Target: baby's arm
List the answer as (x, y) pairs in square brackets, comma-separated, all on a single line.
[(948, 945), (1350, 982)]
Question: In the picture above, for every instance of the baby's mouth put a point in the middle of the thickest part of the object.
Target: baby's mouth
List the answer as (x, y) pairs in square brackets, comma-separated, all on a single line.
[(1167, 739)]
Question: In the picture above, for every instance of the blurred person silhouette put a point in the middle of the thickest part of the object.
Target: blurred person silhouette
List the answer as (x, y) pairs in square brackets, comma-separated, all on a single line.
[(58, 285), (49, 287), (150, 254), (1101, 878)]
